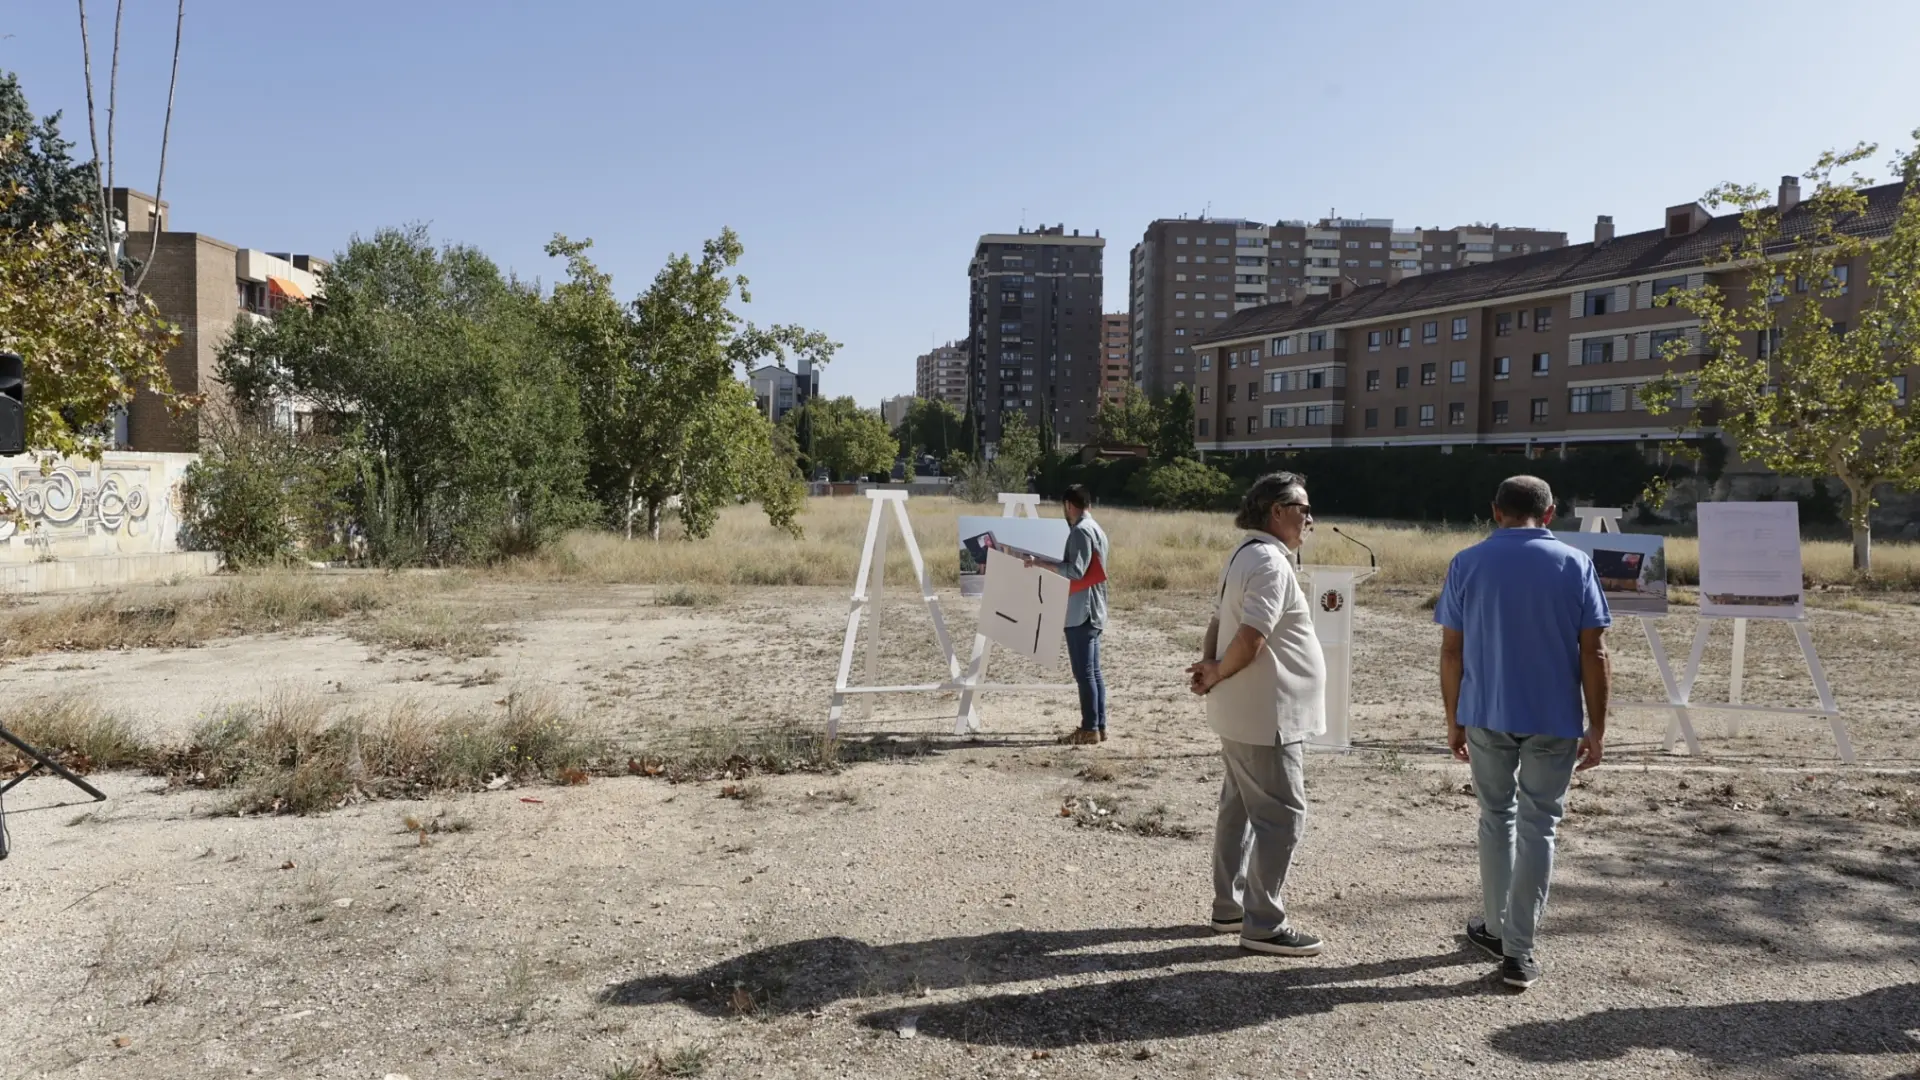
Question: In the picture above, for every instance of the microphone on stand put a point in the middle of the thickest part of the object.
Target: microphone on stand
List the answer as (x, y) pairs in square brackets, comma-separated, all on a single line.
[(1372, 559)]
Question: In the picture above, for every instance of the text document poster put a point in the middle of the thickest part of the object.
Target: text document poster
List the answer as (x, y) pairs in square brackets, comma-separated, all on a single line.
[(1750, 560)]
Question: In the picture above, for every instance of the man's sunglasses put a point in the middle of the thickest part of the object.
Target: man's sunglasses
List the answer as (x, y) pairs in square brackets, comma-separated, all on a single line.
[(1305, 508)]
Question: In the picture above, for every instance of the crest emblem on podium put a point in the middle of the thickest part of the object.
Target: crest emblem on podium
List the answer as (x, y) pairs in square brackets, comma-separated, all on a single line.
[(1331, 600)]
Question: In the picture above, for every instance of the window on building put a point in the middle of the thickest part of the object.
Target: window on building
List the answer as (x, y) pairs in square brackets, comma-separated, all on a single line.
[(1665, 285), (1429, 374), (1179, 258), (1317, 341), (1179, 331), (1233, 360), (1542, 319), (1499, 412), (1596, 351), (1253, 390), (1373, 340), (1280, 346), (1222, 241), (1373, 418), (1430, 331), (1253, 424), (1596, 301), (1426, 416), (1542, 363), (1233, 392), (1456, 412), (1206, 358), (1590, 399), (1375, 264), (1373, 380), (1460, 329), (1375, 244), (1201, 426), (1206, 394), (1226, 426), (1400, 378), (1404, 337), (1539, 410), (1841, 276), (1767, 342), (1502, 367), (1181, 277), (1658, 341), (1399, 416), (1179, 239), (1503, 324), (1899, 389), (1181, 350)]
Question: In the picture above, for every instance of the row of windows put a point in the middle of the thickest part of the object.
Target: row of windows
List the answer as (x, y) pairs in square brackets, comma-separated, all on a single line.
[(1540, 318)]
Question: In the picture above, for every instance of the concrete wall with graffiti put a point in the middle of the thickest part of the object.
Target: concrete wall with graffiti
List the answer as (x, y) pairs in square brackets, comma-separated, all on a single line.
[(123, 504)]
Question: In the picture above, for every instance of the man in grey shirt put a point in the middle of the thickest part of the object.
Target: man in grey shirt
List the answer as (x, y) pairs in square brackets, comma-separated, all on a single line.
[(1085, 567)]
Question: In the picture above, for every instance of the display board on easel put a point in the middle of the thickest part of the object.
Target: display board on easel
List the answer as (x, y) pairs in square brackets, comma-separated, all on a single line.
[(1750, 569), (1017, 582), (1605, 520)]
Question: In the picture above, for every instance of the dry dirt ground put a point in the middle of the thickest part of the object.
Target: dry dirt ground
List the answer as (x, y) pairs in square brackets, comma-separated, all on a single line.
[(996, 906)]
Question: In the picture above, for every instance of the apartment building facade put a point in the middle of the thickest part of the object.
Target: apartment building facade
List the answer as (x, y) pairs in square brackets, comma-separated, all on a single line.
[(1116, 363), (1035, 323), (1536, 354), (1187, 276), (778, 390), (204, 286), (893, 410), (941, 375)]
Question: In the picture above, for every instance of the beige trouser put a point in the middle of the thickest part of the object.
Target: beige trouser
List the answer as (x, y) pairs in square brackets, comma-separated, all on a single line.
[(1263, 814)]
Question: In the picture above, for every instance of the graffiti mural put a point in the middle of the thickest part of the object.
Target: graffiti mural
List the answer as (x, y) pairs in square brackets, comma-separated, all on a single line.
[(121, 504)]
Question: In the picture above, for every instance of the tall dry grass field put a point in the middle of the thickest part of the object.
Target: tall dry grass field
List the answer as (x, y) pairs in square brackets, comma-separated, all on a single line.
[(1152, 550)]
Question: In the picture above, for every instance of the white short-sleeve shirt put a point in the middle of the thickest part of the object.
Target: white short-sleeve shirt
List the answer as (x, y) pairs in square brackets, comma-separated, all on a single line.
[(1283, 691)]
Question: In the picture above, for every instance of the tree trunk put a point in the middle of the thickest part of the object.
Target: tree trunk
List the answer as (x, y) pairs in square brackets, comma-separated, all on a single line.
[(633, 506), (653, 518), (1860, 516)]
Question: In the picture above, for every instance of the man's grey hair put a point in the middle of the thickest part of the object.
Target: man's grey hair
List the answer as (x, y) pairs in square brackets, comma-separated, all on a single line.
[(1525, 498), (1256, 506)]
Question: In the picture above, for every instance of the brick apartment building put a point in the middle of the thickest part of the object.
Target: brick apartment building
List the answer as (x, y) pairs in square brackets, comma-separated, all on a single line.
[(941, 375), (778, 390), (203, 286), (1035, 323), (1188, 276), (1116, 365), (1534, 353)]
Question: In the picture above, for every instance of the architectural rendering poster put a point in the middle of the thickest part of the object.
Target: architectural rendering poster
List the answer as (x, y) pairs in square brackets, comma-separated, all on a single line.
[(1750, 560), (1632, 569), (1043, 538), (1024, 609)]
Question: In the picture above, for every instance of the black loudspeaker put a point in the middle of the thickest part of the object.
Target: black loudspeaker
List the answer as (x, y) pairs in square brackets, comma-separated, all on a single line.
[(13, 404)]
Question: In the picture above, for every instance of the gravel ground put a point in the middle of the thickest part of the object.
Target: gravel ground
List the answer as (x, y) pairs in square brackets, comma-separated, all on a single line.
[(992, 907)]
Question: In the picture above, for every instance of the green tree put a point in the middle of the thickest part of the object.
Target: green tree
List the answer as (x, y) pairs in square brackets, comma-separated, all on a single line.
[(259, 496), (1018, 451), (470, 417), (932, 427), (1173, 427), (669, 418), (88, 349), (1796, 392), (1129, 421), (49, 187), (850, 441), (1184, 484)]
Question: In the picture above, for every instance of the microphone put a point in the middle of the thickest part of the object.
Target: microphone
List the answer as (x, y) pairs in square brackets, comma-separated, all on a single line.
[(1372, 559)]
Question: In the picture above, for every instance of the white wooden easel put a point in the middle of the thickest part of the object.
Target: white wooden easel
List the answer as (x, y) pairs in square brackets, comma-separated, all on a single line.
[(873, 555), (1603, 519), (1012, 504), (1827, 708)]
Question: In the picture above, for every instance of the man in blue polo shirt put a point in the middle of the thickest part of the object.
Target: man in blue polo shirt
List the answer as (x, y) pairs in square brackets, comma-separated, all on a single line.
[(1523, 641)]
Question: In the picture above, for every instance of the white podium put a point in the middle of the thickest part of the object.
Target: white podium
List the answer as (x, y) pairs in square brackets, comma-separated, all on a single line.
[(1330, 590)]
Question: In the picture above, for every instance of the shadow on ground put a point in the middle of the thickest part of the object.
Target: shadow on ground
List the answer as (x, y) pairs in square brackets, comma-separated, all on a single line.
[(805, 975)]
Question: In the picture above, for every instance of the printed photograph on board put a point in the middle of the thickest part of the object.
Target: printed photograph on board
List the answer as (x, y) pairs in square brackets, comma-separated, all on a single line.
[(1043, 538), (1750, 560), (1632, 569)]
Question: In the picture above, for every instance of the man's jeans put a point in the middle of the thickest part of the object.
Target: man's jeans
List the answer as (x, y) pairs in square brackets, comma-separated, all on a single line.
[(1263, 815), (1083, 652), (1522, 784)]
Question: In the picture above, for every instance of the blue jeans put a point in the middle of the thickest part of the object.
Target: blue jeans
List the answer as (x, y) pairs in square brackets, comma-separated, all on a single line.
[(1521, 781), (1083, 652)]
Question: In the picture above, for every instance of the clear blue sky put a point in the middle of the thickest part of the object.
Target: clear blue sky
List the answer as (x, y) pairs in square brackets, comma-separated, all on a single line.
[(861, 148)]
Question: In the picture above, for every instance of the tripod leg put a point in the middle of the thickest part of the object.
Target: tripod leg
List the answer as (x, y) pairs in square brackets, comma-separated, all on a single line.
[(42, 761)]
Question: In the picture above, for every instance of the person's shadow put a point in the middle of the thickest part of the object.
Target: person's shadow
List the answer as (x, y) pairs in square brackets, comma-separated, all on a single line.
[(805, 975), (1879, 1021)]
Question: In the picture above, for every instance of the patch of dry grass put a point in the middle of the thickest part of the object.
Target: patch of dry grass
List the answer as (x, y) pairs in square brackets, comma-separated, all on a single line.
[(462, 633), (76, 732), (1152, 550), (244, 604)]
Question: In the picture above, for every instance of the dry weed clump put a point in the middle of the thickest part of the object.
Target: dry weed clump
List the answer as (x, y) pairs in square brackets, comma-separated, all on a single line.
[(288, 756), (76, 732), (419, 626), (1152, 550), (177, 616)]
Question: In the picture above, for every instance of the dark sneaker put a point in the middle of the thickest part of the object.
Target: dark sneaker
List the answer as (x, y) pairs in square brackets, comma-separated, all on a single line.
[(1489, 943), (1103, 734), (1080, 737), (1284, 942), (1226, 926), (1519, 973)]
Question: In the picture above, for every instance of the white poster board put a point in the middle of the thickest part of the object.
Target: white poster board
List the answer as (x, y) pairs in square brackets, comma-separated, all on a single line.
[(1632, 568), (1750, 560), (1024, 610), (1043, 538)]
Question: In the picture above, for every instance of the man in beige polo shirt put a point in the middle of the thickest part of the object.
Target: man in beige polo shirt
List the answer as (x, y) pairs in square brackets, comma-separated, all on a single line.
[(1264, 679)]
